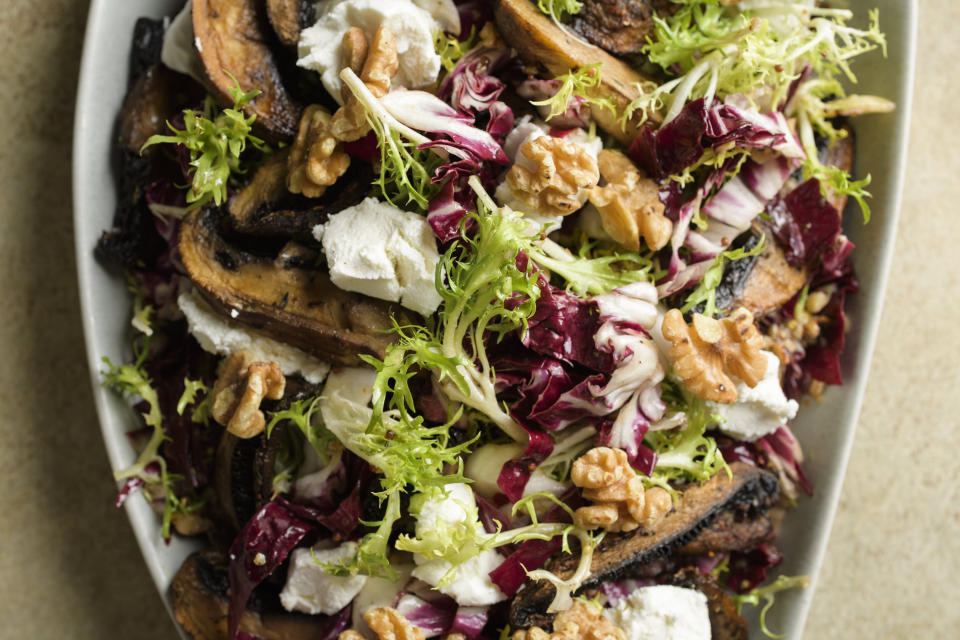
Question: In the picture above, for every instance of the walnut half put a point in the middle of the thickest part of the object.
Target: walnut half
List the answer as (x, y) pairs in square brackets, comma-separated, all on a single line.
[(375, 63), (706, 354), (555, 175), (239, 390), (316, 160), (629, 204), (620, 501)]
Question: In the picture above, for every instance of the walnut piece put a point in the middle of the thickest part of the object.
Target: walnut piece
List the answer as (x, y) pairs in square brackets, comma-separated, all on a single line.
[(316, 159), (629, 204), (375, 65), (579, 622), (620, 501), (562, 172), (239, 390), (706, 354), (388, 624)]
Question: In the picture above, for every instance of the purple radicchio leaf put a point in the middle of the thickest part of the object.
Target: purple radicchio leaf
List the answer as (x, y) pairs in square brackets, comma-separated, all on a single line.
[(470, 621), (261, 546), (426, 112), (783, 454), (432, 617), (805, 223), (533, 554), (749, 568)]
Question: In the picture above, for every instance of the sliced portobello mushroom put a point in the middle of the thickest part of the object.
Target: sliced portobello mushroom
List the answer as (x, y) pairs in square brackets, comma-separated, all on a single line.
[(728, 533), (232, 38), (245, 468), (772, 281), (200, 605), (265, 209), (284, 17), (555, 51), (749, 491), (296, 305), (621, 27), (725, 622)]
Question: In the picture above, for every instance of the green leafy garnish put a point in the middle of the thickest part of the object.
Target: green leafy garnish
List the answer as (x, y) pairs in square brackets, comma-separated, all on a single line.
[(768, 593), (132, 380), (201, 408), (815, 103), (451, 49), (303, 415), (577, 83), (405, 171), (706, 291), (685, 453), (216, 142), (720, 51), (559, 9)]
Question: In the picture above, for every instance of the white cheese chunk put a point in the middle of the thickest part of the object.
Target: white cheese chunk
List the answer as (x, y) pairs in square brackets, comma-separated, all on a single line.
[(178, 51), (412, 26), (345, 403), (379, 250), (222, 336), (760, 410), (311, 589), (662, 612), (471, 584)]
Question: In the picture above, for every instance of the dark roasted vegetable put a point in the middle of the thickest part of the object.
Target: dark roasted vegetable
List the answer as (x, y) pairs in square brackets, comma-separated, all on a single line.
[(200, 602), (298, 306), (555, 51), (232, 38), (265, 209), (284, 17), (619, 26), (750, 491), (725, 622)]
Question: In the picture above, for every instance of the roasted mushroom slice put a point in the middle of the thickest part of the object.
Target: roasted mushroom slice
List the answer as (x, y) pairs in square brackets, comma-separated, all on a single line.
[(298, 306), (728, 533), (619, 26), (749, 491), (232, 42), (771, 283), (725, 622), (284, 17), (265, 209), (556, 51), (200, 605)]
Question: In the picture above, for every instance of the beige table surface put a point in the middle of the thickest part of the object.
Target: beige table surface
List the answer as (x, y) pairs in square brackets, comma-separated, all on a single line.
[(69, 567)]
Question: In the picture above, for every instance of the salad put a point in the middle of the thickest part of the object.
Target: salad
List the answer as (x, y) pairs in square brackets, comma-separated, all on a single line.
[(483, 319)]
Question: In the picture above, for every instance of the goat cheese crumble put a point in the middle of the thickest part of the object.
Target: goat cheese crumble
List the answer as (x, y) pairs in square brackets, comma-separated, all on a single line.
[(662, 612), (379, 250), (760, 410), (412, 23), (310, 589)]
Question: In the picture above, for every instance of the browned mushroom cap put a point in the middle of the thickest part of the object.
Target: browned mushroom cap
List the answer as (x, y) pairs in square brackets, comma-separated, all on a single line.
[(147, 107), (298, 306), (725, 622), (232, 40), (266, 209), (619, 26), (772, 282), (749, 491), (200, 605), (555, 51), (285, 19)]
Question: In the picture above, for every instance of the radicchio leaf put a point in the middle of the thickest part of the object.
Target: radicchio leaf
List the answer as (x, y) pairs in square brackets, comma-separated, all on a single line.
[(262, 546), (749, 568)]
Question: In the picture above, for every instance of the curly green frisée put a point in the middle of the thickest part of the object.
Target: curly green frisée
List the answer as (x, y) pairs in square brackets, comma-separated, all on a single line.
[(499, 341)]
